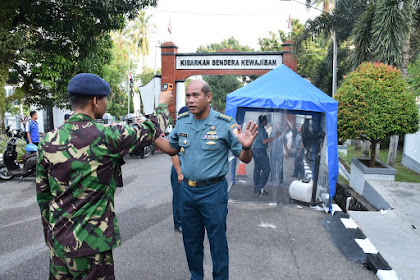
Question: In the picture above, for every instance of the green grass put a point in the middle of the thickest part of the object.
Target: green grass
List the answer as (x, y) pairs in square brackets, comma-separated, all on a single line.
[(403, 173)]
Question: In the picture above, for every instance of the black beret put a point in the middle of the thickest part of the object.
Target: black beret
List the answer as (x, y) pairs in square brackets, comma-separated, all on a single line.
[(183, 110), (87, 84)]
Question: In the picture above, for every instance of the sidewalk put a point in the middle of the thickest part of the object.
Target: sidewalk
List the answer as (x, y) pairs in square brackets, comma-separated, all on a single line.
[(394, 231)]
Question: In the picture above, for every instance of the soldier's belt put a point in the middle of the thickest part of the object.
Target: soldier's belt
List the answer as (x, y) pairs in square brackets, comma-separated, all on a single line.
[(193, 183)]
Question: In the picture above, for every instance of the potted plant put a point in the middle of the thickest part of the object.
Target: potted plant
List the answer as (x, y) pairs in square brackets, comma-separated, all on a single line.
[(375, 103)]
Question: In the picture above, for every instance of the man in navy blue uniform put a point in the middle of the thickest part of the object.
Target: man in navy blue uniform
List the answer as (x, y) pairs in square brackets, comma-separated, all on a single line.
[(261, 159), (204, 137)]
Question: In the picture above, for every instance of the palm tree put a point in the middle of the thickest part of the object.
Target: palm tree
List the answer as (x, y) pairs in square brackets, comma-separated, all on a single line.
[(326, 4), (140, 30), (383, 33), (121, 37), (380, 30)]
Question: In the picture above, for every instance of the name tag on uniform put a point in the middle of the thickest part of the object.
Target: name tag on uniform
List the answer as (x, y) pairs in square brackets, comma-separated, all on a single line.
[(183, 134), (210, 137)]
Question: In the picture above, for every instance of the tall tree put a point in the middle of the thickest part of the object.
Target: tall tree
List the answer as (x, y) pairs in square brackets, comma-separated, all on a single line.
[(326, 4), (342, 19), (385, 32), (310, 56), (140, 30), (44, 43)]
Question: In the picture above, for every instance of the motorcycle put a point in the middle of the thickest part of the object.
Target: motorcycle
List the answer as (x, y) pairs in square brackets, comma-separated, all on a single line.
[(9, 165), (144, 152)]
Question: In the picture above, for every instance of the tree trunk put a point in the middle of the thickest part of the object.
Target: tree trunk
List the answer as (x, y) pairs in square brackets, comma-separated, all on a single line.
[(392, 153), (358, 145), (378, 148), (4, 72), (366, 147), (406, 51), (373, 153)]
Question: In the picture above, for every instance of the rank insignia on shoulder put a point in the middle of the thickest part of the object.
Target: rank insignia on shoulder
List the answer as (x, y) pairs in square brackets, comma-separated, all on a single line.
[(183, 115), (224, 117)]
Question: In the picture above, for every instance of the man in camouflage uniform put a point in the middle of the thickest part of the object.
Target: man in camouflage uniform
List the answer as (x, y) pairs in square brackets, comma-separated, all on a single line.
[(79, 168)]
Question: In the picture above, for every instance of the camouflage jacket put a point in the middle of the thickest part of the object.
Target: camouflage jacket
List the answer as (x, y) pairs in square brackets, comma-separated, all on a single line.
[(78, 170)]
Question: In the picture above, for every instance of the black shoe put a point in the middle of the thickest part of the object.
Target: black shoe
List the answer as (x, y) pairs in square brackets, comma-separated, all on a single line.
[(178, 229)]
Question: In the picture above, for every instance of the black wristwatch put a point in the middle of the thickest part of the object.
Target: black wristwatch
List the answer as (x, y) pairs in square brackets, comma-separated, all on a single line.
[(246, 148)]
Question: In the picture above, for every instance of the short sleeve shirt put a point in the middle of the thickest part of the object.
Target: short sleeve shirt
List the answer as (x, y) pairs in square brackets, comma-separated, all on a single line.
[(32, 128), (205, 145), (262, 135)]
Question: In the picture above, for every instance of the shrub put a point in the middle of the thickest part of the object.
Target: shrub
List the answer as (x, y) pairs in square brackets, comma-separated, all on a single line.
[(375, 103)]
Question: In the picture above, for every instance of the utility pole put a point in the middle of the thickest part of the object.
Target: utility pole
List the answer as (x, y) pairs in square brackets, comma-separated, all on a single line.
[(129, 86), (334, 81)]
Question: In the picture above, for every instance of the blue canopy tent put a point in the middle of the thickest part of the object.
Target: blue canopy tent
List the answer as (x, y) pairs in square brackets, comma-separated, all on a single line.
[(283, 89)]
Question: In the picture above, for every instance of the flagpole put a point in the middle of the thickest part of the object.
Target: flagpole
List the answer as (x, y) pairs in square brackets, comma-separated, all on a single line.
[(129, 84)]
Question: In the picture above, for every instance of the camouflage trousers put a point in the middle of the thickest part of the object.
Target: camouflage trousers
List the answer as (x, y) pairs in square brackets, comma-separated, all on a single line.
[(98, 266)]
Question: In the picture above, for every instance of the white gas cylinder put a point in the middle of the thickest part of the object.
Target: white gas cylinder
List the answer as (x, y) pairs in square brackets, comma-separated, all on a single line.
[(301, 191)]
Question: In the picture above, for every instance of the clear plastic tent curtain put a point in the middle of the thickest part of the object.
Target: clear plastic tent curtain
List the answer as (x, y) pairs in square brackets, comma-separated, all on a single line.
[(295, 156), (283, 91)]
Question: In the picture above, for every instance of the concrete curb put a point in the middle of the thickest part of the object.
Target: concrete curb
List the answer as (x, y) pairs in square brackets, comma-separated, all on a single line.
[(374, 260)]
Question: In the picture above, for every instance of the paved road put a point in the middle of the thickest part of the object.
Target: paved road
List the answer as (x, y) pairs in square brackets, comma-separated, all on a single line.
[(284, 242)]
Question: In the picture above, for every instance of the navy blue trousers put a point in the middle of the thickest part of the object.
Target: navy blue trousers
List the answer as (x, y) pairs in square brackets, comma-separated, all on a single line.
[(205, 208), (261, 168), (176, 200)]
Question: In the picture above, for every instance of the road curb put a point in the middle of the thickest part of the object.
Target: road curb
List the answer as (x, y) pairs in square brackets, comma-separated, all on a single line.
[(374, 260)]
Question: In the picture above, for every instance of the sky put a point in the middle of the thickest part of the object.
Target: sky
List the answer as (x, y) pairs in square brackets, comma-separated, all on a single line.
[(198, 22)]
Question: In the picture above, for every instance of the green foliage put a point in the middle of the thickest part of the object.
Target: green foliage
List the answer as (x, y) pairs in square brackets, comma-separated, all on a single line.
[(311, 53), (45, 43), (374, 103), (273, 43), (220, 85), (414, 76), (139, 31), (116, 74), (383, 31), (230, 43)]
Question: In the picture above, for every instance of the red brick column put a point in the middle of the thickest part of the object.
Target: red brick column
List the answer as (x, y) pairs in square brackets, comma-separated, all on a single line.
[(288, 59), (168, 52)]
